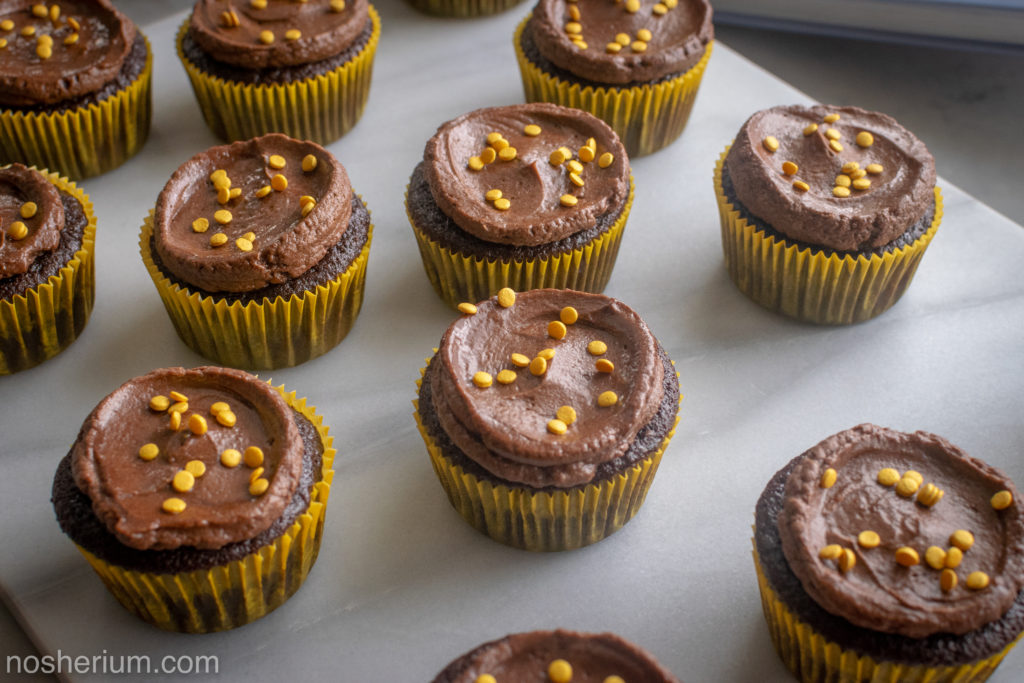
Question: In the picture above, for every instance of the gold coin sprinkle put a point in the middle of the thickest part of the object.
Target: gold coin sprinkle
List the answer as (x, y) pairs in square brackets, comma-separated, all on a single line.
[(605, 160), (174, 506), (835, 145), (831, 118), (149, 451), (219, 407), (801, 186), (865, 139), (159, 403), (467, 308), (954, 556), (175, 421), (253, 456), (568, 315), (556, 426), (947, 580), (18, 230), (907, 556), (538, 366), (789, 168), (874, 169), (183, 481), (266, 37), (840, 191), (604, 365), (197, 424), (810, 130), (556, 329), (868, 539), (828, 478), (568, 200), (482, 379), (1002, 500), (559, 670), (506, 297), (200, 225), (230, 458), (532, 129), (506, 377), (977, 581), (566, 414), (830, 552), (607, 399), (502, 204), (597, 348), (292, 34), (546, 354), (519, 360), (243, 244), (279, 182), (226, 418), (771, 143), (259, 487), (196, 468), (962, 539), (309, 163), (218, 240), (222, 216), (887, 476), (935, 557), (907, 486), (337, 5), (847, 560)]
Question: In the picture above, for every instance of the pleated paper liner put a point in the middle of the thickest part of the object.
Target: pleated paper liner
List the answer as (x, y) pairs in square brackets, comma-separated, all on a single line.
[(38, 325), (462, 8), (85, 141), (321, 108), (457, 277), (646, 117), (266, 335), (828, 289), (543, 521), (814, 659), (238, 592)]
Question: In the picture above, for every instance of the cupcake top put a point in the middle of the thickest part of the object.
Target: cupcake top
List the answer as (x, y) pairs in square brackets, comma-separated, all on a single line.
[(542, 387), (201, 457), (526, 174), (238, 217), (903, 533), (31, 218), (57, 51), (622, 42), (839, 177), (556, 656), (258, 34)]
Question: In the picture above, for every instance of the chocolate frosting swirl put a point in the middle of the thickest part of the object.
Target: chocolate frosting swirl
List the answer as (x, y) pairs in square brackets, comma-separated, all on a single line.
[(322, 30), (504, 428), (127, 492), (533, 185), (526, 656), (103, 40), (897, 198), (18, 186), (286, 243), (678, 38), (879, 593)]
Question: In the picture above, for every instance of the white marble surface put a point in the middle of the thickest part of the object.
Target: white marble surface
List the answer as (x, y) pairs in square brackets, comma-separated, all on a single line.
[(403, 585)]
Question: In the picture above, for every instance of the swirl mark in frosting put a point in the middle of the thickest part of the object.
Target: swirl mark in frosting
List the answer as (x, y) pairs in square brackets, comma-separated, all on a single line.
[(801, 170), (158, 486), (239, 217), (886, 587), (622, 42), (276, 33), (505, 426), (57, 55), (502, 181)]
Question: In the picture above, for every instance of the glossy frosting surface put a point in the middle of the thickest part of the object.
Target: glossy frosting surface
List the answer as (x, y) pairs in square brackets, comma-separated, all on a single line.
[(128, 492), (19, 186), (103, 39), (504, 427), (524, 657), (276, 33), (285, 243), (879, 593), (530, 182), (897, 197), (677, 40)]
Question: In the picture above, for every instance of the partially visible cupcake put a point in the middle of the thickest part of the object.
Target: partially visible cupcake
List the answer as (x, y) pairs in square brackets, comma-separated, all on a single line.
[(47, 281), (198, 496), (825, 211), (259, 250), (557, 656), (280, 66), (463, 8), (546, 415), (635, 65), (524, 196), (75, 91), (889, 556)]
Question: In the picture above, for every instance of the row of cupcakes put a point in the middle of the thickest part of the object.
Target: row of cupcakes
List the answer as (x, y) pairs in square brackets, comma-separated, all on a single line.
[(198, 496), (259, 249), (76, 82)]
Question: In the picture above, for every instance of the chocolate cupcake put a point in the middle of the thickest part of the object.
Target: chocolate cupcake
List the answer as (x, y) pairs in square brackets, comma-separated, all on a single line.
[(546, 416), (637, 66), (558, 656), (198, 496), (279, 66), (889, 556), (47, 282), (463, 8), (524, 196), (258, 250), (75, 86), (825, 211)]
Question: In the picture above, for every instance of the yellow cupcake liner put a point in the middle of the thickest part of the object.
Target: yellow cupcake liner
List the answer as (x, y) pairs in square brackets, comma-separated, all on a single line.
[(84, 141), (544, 521), (239, 592), (321, 108), (269, 334), (828, 289), (646, 117), (462, 8), (814, 659), (457, 277), (42, 322)]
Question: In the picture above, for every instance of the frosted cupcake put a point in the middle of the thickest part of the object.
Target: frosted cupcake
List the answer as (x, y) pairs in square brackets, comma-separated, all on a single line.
[(546, 415), (198, 496), (890, 556), (825, 211), (279, 66), (635, 65), (523, 196), (75, 91)]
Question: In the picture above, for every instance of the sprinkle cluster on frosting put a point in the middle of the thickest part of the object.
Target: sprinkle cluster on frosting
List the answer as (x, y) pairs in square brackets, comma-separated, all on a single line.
[(176, 406), (43, 24), (574, 26), (558, 671)]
